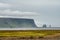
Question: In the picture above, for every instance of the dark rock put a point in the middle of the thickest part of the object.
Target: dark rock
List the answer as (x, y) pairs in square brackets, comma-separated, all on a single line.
[(17, 23)]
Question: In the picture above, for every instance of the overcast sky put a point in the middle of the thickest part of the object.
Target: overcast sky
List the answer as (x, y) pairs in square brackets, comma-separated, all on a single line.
[(42, 11)]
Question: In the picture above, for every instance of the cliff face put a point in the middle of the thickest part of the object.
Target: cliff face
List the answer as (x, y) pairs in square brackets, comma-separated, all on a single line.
[(17, 23)]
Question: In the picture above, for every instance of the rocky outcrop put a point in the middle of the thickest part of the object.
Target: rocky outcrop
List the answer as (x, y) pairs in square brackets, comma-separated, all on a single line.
[(17, 23)]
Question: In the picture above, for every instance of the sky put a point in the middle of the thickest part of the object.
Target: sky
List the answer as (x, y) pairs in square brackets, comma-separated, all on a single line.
[(42, 11)]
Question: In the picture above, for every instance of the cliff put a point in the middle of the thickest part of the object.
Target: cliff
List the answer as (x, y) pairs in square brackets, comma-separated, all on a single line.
[(17, 23)]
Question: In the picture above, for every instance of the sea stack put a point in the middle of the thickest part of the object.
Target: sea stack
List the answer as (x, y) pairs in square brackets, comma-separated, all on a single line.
[(17, 23)]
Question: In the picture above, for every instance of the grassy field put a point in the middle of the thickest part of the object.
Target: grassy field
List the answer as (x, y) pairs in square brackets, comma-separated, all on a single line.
[(26, 33)]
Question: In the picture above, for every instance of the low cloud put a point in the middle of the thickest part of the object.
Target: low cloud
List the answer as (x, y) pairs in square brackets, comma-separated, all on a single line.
[(4, 5), (16, 13)]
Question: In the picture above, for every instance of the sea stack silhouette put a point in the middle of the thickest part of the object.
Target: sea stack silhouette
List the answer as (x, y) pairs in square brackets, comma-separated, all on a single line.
[(17, 23)]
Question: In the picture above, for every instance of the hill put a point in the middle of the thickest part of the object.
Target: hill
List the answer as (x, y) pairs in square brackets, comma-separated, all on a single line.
[(16, 23)]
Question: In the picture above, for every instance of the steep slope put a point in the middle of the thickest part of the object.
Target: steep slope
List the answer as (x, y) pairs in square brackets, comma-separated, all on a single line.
[(16, 23)]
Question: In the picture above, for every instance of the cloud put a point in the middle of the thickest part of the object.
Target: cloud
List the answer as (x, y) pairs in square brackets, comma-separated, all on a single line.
[(19, 14), (16, 13), (4, 5), (41, 3), (31, 3), (37, 2)]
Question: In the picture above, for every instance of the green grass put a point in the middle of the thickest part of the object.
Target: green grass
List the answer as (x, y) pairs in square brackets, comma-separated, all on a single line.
[(22, 33)]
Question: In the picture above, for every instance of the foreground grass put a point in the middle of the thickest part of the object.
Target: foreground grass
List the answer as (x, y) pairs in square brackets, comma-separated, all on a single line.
[(24, 33)]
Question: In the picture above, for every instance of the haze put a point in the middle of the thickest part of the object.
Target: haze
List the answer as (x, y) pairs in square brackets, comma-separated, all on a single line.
[(42, 11)]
